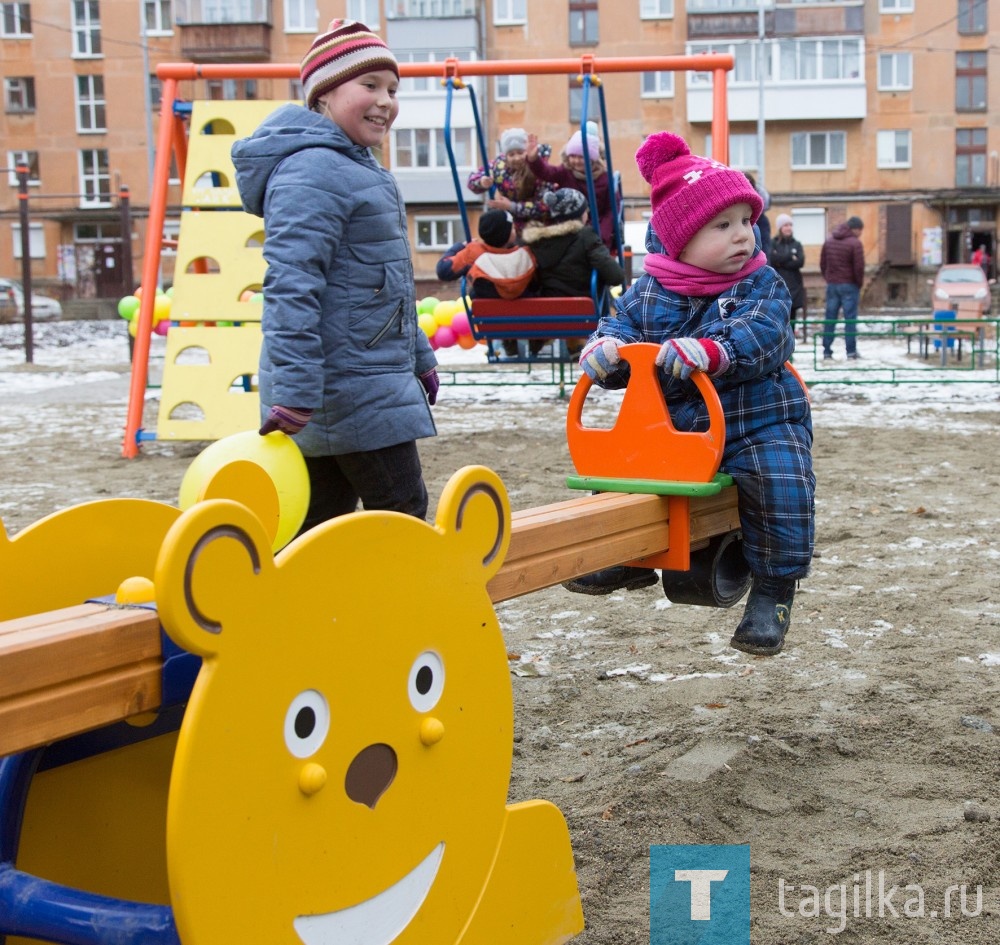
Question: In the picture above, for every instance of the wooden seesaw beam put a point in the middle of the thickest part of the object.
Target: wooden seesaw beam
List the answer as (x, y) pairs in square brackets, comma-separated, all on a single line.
[(68, 671)]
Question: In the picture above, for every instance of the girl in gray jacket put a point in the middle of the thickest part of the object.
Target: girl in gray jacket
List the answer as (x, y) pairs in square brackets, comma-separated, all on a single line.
[(344, 366)]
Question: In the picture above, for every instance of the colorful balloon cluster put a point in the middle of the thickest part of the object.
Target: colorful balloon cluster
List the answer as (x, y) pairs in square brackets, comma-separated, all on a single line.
[(128, 308), (445, 323)]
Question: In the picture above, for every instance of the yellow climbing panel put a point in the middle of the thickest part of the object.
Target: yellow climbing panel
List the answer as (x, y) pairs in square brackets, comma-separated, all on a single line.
[(206, 392)]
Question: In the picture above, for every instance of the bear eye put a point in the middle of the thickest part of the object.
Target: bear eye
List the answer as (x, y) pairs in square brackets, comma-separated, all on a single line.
[(307, 723), (426, 681)]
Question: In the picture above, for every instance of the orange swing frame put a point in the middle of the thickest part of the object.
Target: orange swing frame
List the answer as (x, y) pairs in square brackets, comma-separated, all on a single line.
[(171, 141)]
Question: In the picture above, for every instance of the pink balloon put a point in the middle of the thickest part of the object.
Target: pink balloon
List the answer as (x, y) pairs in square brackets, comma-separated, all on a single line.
[(161, 327), (444, 337), (460, 323), (432, 339)]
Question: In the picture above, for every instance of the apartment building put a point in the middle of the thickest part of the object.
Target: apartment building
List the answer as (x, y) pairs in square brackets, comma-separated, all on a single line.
[(878, 108)]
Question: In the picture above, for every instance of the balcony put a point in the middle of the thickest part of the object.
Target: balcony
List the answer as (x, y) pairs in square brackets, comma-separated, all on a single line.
[(225, 30)]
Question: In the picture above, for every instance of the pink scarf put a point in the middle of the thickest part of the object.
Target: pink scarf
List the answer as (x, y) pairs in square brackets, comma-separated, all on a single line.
[(684, 279)]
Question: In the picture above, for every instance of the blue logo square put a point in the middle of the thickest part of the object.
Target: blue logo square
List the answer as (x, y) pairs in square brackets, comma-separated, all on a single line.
[(699, 895)]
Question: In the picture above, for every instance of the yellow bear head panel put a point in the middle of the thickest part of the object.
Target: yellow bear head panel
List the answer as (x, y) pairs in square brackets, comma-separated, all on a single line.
[(343, 765)]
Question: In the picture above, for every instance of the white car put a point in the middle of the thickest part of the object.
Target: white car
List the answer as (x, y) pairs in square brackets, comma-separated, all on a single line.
[(44, 308)]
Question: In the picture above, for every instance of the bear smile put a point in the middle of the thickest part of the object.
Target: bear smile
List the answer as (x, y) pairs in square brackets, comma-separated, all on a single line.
[(379, 920)]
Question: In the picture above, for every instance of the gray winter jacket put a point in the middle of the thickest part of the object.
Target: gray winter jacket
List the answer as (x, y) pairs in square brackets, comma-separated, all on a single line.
[(340, 327)]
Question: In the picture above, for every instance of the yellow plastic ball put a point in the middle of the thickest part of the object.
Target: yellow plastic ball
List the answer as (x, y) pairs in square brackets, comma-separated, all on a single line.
[(248, 453)]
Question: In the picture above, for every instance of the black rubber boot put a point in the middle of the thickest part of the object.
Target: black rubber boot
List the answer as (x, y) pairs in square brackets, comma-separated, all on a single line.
[(608, 580), (766, 618)]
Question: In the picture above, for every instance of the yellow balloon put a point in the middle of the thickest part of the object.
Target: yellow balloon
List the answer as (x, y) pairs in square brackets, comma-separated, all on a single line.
[(443, 313), (161, 308), (427, 324), (265, 473)]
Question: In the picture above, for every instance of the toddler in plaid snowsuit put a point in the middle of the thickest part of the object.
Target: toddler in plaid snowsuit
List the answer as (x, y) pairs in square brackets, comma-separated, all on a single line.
[(711, 301)]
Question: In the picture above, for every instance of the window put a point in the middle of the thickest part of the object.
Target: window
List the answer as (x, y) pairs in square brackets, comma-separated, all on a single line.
[(895, 6), (506, 12), (90, 115), (171, 234), (583, 22), (155, 92), (158, 17), (432, 84), (742, 6), (970, 157), (744, 71), (814, 59), (510, 88), (810, 225), (970, 81), (438, 233), (86, 29), (893, 149), (225, 11), (19, 95), (819, 150), (657, 85), (656, 9), (429, 9), (895, 71), (15, 20), (95, 179), (425, 148), (364, 10), (295, 91), (972, 16), (14, 158), (36, 240), (742, 151), (301, 16), (231, 90)]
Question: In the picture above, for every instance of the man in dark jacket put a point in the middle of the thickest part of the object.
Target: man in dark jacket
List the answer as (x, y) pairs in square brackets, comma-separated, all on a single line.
[(842, 263)]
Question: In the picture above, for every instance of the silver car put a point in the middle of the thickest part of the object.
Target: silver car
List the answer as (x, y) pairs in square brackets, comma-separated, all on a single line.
[(44, 308)]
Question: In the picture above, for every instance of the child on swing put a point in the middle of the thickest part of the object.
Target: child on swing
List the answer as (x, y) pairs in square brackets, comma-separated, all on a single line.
[(713, 305)]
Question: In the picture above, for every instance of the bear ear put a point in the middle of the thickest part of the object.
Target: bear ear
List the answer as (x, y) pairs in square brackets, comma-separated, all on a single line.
[(474, 507), (217, 553)]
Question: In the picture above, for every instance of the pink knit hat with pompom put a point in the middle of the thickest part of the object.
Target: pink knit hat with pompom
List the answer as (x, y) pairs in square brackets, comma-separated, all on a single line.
[(687, 190)]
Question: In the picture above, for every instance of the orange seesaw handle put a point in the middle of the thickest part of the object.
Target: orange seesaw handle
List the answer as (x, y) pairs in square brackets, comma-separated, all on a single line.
[(643, 443)]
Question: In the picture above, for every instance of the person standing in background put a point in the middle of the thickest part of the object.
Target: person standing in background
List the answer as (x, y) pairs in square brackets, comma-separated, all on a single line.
[(842, 264), (787, 258)]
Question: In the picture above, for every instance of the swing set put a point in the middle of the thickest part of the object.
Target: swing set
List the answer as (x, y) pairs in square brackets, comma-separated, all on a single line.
[(212, 219)]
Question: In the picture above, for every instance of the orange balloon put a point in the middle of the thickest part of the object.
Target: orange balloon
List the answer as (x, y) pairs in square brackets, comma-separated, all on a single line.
[(466, 342)]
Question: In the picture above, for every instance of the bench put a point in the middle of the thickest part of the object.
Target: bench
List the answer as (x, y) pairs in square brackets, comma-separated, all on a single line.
[(557, 319)]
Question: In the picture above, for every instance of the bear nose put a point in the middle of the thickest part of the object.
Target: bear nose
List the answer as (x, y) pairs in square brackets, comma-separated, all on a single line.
[(370, 774)]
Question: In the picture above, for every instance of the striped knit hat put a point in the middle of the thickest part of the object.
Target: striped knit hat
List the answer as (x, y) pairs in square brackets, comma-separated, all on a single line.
[(346, 50)]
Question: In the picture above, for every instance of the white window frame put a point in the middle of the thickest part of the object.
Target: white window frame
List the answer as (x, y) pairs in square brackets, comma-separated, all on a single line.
[(16, 20), (90, 105), (36, 240), (171, 231), (23, 157), (437, 153), (744, 71), (453, 225), (743, 152), (158, 17), (367, 11), (829, 137), (656, 9), (431, 85), (91, 178), (895, 6), (887, 143), (86, 29), (662, 84), (510, 12), (809, 225), (22, 88), (794, 54), (893, 62), (301, 16), (510, 88)]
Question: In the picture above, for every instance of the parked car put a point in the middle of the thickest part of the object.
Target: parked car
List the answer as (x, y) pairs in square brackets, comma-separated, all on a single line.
[(960, 282), (44, 308)]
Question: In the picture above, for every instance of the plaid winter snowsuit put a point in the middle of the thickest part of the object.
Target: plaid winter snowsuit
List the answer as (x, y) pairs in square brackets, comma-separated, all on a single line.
[(768, 421)]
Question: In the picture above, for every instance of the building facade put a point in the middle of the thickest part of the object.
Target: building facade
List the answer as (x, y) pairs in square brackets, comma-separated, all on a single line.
[(874, 108)]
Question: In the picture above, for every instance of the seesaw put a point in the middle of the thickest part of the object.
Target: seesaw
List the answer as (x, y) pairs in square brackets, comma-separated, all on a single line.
[(314, 639)]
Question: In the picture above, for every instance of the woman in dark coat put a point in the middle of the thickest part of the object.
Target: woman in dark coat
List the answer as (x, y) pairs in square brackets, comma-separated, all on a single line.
[(787, 257)]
